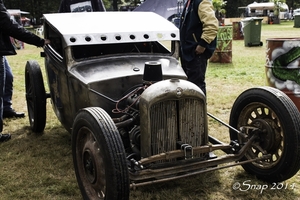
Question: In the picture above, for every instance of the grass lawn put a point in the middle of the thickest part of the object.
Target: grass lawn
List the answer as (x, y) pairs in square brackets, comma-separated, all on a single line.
[(40, 166)]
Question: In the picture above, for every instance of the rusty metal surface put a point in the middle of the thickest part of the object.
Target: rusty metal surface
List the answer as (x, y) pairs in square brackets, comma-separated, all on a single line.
[(172, 109), (189, 168)]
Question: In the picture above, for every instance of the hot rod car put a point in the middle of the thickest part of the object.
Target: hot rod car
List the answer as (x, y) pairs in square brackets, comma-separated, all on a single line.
[(116, 84)]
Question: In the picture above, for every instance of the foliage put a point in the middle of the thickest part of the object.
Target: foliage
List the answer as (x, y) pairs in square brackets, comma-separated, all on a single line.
[(116, 3), (219, 7), (107, 3), (277, 4), (132, 2), (38, 7)]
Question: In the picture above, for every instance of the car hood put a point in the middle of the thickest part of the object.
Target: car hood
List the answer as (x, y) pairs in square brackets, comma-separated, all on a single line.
[(124, 66)]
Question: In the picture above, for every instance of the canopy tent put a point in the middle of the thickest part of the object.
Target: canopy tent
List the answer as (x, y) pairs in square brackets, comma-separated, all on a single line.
[(266, 6), (17, 12), (166, 8)]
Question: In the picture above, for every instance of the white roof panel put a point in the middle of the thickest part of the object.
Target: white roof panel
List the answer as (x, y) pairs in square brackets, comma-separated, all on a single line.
[(111, 27)]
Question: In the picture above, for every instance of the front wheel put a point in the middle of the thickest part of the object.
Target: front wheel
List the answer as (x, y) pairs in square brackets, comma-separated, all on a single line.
[(99, 156), (278, 119)]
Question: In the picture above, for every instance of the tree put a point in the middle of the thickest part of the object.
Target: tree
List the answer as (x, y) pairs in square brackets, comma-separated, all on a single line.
[(115, 5), (233, 5), (277, 9)]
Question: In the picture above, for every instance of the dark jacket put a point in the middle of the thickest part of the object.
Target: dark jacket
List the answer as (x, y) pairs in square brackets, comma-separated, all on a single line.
[(198, 26), (10, 28)]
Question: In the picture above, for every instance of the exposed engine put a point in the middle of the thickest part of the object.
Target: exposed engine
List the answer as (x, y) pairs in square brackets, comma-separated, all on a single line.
[(162, 116)]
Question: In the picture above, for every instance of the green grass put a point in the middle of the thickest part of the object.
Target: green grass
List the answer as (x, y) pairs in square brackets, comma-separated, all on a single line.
[(40, 166)]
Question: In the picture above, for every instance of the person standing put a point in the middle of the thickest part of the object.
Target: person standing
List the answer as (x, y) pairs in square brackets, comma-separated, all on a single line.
[(198, 39), (8, 111), (10, 28)]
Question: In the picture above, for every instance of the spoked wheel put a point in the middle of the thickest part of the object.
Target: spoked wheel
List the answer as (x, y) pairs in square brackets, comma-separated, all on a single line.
[(99, 156), (278, 120), (35, 96)]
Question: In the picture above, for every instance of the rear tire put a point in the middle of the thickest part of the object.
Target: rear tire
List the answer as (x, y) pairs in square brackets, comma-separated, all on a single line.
[(35, 96), (276, 115)]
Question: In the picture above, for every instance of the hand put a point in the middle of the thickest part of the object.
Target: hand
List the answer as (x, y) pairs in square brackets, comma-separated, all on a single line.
[(199, 50), (47, 41)]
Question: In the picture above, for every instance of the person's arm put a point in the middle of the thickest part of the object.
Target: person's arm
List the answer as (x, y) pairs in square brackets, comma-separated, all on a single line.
[(210, 23), (13, 29)]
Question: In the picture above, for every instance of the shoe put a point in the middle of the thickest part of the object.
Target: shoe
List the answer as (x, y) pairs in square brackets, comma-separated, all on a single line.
[(12, 113), (211, 155), (4, 137)]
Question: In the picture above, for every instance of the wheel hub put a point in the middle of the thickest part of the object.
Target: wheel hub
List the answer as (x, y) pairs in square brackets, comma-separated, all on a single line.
[(89, 166), (267, 136)]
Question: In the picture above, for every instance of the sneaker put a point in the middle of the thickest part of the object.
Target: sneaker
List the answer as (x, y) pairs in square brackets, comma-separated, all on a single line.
[(4, 137)]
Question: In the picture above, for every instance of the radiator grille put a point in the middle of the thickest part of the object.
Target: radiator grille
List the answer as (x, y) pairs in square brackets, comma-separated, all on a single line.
[(176, 120)]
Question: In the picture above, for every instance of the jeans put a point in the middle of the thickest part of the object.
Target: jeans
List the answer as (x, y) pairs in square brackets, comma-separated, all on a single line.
[(2, 83), (195, 71), (8, 87)]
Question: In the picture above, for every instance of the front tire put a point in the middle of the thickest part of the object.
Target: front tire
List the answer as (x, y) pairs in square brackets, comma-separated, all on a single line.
[(274, 113), (99, 156)]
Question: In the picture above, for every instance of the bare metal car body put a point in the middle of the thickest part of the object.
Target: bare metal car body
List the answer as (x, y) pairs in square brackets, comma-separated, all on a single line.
[(134, 118)]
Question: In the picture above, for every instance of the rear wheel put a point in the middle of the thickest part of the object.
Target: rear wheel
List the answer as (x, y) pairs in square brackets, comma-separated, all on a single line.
[(278, 119), (99, 156), (35, 96)]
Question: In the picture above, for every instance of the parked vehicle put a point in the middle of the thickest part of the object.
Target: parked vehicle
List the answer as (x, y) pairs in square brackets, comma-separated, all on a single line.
[(296, 12), (116, 84)]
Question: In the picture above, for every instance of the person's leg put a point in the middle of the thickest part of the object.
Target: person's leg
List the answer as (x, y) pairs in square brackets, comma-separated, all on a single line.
[(8, 89), (196, 70), (8, 111), (2, 81), (3, 137)]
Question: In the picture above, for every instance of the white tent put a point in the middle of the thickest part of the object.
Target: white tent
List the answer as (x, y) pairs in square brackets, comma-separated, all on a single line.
[(267, 6)]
